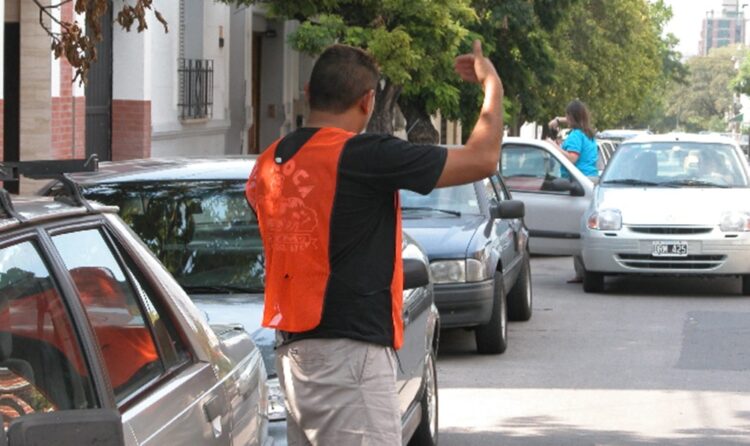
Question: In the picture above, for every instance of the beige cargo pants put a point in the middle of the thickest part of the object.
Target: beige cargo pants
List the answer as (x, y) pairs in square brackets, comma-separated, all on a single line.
[(339, 392)]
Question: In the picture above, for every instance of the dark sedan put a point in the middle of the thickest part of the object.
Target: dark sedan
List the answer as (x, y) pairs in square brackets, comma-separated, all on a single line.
[(478, 248), (193, 215)]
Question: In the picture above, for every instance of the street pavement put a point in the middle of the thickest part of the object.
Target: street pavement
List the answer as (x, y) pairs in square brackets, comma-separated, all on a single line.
[(649, 362)]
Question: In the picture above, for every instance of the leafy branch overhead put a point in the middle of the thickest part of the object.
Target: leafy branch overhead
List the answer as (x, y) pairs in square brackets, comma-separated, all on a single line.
[(77, 41)]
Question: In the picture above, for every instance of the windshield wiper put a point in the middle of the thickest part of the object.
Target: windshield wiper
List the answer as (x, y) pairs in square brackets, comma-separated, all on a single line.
[(220, 289), (631, 182), (445, 211), (693, 183)]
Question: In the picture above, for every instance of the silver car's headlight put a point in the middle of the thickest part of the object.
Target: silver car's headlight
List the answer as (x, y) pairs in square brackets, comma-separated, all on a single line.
[(448, 271), (475, 270), (605, 220), (276, 410), (734, 221)]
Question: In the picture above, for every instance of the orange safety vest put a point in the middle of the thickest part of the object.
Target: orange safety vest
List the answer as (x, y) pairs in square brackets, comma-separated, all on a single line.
[(293, 201)]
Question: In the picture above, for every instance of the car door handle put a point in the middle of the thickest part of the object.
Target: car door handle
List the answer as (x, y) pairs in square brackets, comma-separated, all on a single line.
[(214, 408)]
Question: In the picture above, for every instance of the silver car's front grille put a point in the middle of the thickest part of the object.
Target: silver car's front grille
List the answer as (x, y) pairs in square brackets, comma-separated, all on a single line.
[(694, 262), (671, 229)]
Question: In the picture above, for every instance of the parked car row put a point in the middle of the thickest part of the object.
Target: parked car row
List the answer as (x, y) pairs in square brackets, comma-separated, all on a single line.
[(193, 215), (93, 329)]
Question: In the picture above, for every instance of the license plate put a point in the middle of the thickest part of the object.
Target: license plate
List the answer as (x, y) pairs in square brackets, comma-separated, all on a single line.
[(670, 249)]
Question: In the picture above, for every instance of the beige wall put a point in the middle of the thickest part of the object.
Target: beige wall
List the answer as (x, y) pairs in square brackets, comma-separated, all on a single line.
[(12, 8), (36, 97)]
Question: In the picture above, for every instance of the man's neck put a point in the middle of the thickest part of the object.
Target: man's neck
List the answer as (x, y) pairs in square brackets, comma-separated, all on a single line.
[(348, 121)]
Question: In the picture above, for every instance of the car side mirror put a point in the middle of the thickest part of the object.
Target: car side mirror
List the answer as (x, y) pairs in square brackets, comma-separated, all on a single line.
[(102, 427), (576, 189), (508, 209), (416, 274)]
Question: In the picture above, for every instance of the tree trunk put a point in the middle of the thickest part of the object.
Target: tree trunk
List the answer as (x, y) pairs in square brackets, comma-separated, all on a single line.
[(419, 128), (386, 99)]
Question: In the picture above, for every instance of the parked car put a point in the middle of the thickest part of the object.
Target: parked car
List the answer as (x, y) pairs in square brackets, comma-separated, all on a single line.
[(477, 245), (193, 215), (555, 194), (91, 321), (606, 150), (670, 205), (620, 135)]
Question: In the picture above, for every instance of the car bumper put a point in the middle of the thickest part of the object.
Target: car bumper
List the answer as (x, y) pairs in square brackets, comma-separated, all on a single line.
[(464, 304), (715, 253)]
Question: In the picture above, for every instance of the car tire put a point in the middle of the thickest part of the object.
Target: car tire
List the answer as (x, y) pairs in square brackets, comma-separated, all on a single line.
[(492, 337), (427, 431), (520, 296), (593, 282), (746, 285)]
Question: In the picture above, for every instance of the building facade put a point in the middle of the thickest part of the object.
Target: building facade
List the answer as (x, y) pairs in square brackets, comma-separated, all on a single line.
[(723, 30), (221, 81)]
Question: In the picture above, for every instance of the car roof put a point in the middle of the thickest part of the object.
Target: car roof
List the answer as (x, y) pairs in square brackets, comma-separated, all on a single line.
[(682, 137), (620, 133), (35, 209), (169, 169)]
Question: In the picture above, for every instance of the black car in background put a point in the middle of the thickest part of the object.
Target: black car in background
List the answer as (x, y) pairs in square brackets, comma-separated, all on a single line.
[(192, 213), (478, 248)]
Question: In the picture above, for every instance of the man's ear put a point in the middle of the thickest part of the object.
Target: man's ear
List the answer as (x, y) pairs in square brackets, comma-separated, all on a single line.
[(367, 102)]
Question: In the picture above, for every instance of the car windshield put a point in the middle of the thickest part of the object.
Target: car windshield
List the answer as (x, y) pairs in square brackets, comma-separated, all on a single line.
[(446, 201), (676, 164), (204, 232)]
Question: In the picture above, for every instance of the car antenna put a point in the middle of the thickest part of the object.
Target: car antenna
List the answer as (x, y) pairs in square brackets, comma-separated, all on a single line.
[(46, 170)]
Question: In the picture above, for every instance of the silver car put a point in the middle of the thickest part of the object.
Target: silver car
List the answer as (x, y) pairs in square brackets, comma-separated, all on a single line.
[(554, 192), (670, 205), (90, 320), (192, 213)]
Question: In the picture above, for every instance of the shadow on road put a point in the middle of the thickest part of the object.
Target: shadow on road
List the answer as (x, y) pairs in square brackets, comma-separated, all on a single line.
[(545, 431)]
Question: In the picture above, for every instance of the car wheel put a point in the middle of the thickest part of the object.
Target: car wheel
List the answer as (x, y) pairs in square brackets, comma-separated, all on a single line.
[(593, 282), (520, 297), (427, 431), (492, 337), (746, 285)]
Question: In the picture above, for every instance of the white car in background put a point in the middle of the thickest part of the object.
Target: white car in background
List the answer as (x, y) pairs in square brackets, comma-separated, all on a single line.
[(673, 204), (554, 192)]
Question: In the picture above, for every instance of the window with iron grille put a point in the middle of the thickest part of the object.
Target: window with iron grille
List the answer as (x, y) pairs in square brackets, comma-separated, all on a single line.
[(196, 88)]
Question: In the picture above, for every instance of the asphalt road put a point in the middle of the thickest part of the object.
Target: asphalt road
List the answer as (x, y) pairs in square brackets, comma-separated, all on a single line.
[(648, 362)]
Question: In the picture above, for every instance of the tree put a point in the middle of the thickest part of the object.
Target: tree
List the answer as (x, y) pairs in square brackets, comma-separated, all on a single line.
[(608, 56), (707, 95), (414, 42), (519, 40), (77, 41), (653, 111)]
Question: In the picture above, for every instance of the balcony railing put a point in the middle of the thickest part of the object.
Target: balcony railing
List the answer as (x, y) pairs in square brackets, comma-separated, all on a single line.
[(196, 88)]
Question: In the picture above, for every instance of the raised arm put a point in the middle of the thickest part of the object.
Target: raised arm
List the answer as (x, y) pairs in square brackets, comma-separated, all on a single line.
[(480, 155)]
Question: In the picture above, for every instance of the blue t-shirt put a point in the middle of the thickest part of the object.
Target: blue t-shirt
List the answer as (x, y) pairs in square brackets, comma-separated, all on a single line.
[(585, 147)]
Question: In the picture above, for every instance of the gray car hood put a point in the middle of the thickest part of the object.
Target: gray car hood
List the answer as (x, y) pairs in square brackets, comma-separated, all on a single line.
[(244, 309), (444, 238)]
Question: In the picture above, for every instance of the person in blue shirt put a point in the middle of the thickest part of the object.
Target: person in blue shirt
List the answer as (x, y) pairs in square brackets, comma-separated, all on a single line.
[(581, 149), (580, 146)]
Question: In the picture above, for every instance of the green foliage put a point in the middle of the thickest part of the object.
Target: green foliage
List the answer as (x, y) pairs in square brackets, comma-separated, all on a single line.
[(613, 54), (414, 41), (610, 56), (703, 101)]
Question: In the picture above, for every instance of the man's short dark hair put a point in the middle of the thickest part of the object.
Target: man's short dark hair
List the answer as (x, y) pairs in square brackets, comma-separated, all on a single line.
[(341, 75)]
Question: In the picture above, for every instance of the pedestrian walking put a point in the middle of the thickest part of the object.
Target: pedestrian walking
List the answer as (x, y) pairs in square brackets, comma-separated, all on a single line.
[(581, 149), (326, 198)]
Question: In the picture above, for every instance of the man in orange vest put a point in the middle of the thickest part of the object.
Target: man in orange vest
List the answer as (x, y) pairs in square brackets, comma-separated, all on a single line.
[(327, 202)]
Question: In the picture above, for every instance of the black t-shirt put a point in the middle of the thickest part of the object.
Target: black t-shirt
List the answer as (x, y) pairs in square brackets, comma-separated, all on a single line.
[(372, 168)]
